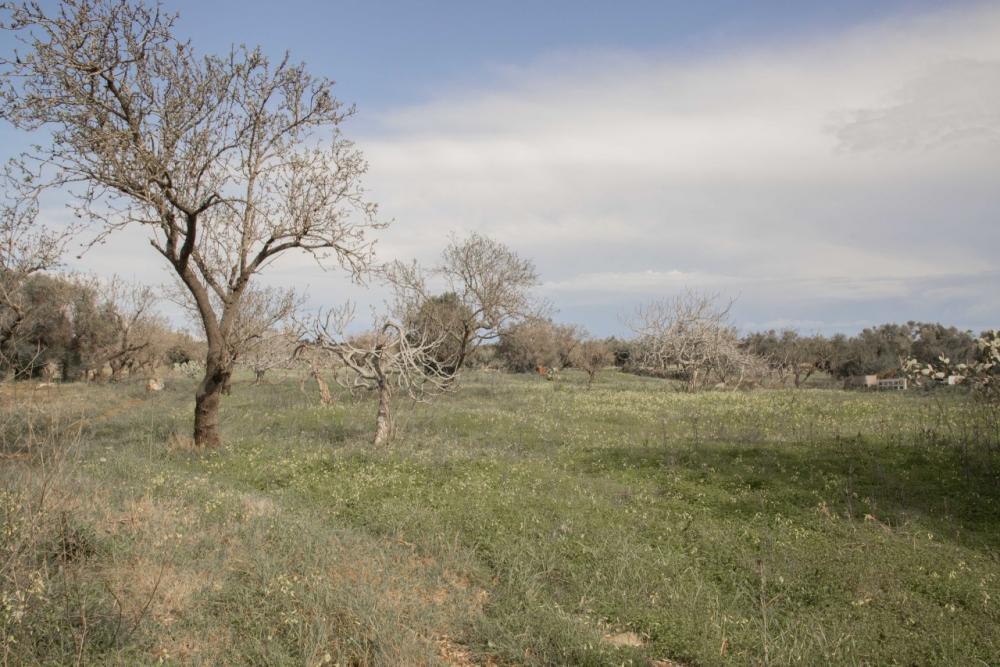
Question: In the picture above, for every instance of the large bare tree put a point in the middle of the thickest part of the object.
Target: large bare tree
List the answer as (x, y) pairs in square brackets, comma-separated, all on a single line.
[(228, 160), (691, 335)]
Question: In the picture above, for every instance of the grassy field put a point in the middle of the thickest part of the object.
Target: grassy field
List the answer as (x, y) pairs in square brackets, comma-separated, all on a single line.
[(517, 521)]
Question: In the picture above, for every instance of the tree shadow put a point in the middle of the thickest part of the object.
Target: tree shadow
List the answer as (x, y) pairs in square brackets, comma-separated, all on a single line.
[(956, 492)]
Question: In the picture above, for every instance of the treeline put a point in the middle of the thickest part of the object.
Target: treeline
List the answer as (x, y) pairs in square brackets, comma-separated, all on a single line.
[(773, 357), (880, 350), (73, 327)]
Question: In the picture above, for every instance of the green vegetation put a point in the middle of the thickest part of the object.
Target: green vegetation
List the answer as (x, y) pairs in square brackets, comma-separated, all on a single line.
[(517, 521)]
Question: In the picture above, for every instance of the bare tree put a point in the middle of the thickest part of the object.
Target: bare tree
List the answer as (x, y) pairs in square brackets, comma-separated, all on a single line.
[(133, 321), (229, 160), (314, 359), (262, 326), (789, 354), (689, 334), (486, 286), (591, 356), (273, 349), (389, 360)]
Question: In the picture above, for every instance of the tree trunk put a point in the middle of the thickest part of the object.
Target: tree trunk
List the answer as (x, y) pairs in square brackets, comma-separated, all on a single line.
[(206, 403), (693, 381), (383, 421), (590, 378), (324, 390), (72, 364)]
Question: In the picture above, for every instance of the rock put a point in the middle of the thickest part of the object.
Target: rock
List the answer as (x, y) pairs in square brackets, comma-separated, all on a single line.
[(154, 384)]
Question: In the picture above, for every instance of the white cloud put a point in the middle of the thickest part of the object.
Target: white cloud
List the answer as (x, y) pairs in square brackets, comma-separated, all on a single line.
[(860, 168)]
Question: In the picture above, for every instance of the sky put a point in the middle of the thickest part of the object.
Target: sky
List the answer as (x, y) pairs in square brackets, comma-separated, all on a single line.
[(830, 165)]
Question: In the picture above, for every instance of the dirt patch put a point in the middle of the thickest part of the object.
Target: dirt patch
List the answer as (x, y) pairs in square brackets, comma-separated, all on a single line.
[(624, 639), (453, 653), (255, 506)]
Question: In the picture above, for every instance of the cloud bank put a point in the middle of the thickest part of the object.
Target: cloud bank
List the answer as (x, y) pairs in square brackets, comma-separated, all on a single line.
[(852, 179), (827, 184)]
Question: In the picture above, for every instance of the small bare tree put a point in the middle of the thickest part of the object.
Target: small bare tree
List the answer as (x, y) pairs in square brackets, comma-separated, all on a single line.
[(262, 328), (229, 160), (273, 349), (389, 360), (314, 359), (538, 342), (591, 356), (486, 288)]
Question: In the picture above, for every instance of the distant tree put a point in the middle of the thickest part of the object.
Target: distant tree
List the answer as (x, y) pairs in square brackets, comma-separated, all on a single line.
[(70, 327), (230, 161), (622, 351), (487, 289), (41, 334), (274, 348), (690, 335), (538, 342), (26, 249), (883, 349), (568, 338), (789, 354), (88, 329), (314, 359), (442, 318), (180, 347), (591, 356), (133, 322), (931, 341), (529, 345)]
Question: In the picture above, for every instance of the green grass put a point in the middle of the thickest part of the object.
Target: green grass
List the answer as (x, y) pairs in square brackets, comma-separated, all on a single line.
[(520, 521)]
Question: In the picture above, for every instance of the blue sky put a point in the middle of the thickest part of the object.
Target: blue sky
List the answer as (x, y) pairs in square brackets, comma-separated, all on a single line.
[(831, 165), (390, 53)]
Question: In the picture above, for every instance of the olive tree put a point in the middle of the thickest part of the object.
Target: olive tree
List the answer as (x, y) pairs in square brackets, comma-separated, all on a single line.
[(228, 160), (26, 249)]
